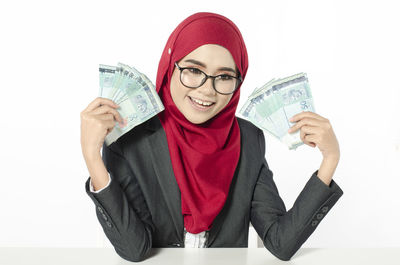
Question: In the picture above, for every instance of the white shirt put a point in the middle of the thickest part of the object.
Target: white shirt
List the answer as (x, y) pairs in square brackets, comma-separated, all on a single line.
[(191, 240), (195, 240)]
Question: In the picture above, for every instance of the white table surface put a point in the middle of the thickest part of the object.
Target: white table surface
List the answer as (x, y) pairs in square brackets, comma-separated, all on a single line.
[(194, 256)]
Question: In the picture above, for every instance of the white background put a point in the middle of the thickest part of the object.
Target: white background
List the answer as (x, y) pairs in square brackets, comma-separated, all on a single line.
[(49, 56)]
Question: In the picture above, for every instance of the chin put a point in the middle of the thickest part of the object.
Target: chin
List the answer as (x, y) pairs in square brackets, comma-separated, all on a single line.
[(197, 120)]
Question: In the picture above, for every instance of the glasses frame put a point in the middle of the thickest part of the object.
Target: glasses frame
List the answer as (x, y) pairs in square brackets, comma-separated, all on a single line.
[(239, 79)]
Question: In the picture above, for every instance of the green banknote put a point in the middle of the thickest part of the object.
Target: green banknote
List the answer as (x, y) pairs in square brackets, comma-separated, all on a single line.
[(133, 92), (271, 106)]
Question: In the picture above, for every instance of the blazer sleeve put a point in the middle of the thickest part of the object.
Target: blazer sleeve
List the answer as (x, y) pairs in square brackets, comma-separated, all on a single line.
[(97, 191), (121, 208), (284, 232)]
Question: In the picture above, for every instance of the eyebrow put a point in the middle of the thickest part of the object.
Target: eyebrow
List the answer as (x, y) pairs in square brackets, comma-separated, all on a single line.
[(203, 65)]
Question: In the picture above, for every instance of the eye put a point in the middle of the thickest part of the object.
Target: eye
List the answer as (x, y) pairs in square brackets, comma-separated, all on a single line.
[(194, 71), (225, 77)]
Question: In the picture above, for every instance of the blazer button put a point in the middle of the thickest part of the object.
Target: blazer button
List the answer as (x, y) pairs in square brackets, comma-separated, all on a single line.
[(105, 217), (100, 209), (324, 209), (320, 215), (314, 223), (109, 224)]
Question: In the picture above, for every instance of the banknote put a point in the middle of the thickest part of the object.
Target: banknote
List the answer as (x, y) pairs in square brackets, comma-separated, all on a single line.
[(272, 105), (133, 92)]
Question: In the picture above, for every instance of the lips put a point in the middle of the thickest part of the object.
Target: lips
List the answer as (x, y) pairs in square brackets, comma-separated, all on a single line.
[(198, 106), (202, 101)]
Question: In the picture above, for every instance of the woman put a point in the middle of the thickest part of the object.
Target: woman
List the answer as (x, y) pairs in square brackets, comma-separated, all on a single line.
[(196, 171)]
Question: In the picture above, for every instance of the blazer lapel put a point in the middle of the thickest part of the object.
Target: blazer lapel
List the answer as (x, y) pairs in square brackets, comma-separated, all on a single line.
[(220, 218), (159, 151)]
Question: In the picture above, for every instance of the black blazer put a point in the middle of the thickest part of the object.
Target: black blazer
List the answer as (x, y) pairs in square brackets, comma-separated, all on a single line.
[(141, 208)]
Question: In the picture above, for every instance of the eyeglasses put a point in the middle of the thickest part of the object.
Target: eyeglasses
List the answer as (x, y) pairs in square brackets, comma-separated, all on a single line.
[(193, 78)]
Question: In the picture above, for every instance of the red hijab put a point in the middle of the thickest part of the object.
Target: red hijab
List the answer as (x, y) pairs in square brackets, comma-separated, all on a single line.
[(204, 156)]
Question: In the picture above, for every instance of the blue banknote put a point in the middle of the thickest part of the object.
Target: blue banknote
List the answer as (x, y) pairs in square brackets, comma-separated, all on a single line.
[(271, 106), (133, 92)]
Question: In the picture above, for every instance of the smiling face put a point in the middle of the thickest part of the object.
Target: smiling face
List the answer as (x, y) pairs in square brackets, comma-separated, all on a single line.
[(213, 60)]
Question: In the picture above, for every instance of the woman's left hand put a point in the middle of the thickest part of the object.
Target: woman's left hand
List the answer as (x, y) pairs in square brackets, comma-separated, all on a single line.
[(316, 130)]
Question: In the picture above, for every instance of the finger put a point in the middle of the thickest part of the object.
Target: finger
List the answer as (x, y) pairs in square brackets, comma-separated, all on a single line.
[(305, 114), (100, 101), (302, 137), (107, 109), (311, 129), (305, 121), (110, 117), (108, 123), (312, 138), (105, 117)]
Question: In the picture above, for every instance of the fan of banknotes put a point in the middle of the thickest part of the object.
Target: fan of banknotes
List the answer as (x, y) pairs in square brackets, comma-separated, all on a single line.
[(272, 105), (133, 92)]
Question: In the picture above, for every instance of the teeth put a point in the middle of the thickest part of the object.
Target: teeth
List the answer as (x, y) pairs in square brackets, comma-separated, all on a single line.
[(201, 102)]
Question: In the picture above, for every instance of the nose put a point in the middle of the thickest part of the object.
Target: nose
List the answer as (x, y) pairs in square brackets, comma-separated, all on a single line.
[(207, 87)]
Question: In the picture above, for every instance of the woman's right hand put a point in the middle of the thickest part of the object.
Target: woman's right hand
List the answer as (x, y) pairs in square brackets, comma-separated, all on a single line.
[(97, 120)]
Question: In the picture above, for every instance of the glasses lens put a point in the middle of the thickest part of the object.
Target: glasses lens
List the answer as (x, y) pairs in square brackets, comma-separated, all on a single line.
[(225, 84), (192, 77)]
